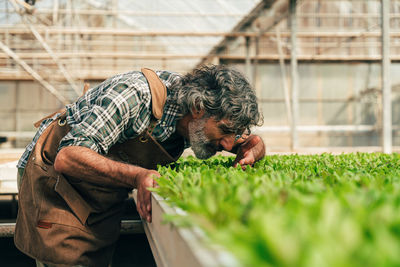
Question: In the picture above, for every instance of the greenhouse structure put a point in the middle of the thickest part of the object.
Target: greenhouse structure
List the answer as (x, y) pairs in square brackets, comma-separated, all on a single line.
[(325, 76)]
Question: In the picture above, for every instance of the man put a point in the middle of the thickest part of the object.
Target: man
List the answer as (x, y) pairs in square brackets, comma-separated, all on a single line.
[(83, 162)]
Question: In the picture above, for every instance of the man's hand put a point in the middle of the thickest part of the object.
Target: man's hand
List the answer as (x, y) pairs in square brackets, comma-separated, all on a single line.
[(145, 179), (250, 151)]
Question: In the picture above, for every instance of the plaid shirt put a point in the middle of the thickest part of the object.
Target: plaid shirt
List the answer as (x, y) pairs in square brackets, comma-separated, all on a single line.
[(114, 111)]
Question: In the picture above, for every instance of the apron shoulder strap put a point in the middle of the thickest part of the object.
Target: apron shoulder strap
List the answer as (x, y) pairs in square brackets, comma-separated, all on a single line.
[(158, 92), (157, 89), (37, 124)]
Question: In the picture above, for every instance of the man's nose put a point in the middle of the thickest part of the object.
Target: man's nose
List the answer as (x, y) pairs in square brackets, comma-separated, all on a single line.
[(227, 143)]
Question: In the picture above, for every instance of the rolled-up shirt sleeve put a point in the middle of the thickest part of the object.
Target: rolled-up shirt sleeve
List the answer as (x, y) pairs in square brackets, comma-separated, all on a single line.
[(107, 119)]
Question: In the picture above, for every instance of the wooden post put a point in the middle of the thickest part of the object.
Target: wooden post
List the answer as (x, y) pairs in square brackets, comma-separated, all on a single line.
[(294, 74), (386, 83), (283, 77), (248, 60)]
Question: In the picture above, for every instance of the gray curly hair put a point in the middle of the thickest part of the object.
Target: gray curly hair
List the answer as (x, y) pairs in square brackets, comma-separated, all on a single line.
[(222, 92)]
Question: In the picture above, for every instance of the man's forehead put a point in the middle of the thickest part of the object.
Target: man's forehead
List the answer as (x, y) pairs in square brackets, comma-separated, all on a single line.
[(229, 126), (224, 122)]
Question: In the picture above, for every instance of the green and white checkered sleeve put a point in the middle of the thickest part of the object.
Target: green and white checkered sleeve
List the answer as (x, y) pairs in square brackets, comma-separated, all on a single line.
[(118, 110)]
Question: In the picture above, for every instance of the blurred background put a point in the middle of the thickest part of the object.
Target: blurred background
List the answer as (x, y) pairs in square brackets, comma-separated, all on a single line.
[(316, 65), (325, 71)]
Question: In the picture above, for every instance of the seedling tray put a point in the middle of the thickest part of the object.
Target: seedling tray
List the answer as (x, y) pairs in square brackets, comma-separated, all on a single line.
[(180, 246)]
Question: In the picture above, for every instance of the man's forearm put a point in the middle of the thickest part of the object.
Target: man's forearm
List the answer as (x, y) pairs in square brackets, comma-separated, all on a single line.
[(86, 164)]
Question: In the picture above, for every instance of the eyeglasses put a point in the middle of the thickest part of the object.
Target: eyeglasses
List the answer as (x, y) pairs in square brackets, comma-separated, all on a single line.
[(227, 129), (244, 135)]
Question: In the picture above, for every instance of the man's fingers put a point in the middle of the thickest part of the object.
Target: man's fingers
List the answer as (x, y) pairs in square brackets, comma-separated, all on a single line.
[(148, 201), (236, 161), (250, 142), (147, 205), (243, 164), (144, 204), (246, 158), (145, 180), (155, 184), (139, 204)]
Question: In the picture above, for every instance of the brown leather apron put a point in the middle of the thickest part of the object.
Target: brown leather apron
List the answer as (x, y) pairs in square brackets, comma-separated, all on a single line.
[(66, 221)]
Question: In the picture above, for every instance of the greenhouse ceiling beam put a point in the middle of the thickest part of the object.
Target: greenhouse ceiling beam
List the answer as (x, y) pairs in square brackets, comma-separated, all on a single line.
[(48, 49), (110, 54), (127, 32), (281, 8), (60, 65), (320, 129), (310, 58), (115, 12), (160, 55), (122, 55), (241, 26), (127, 19), (33, 73), (47, 11), (90, 75), (386, 82)]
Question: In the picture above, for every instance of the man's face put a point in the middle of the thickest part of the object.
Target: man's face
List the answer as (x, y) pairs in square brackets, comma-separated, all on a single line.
[(207, 137)]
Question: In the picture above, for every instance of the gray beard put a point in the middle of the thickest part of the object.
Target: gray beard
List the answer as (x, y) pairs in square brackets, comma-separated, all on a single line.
[(201, 146)]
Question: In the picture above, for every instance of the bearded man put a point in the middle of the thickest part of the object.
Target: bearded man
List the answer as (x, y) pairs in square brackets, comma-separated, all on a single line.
[(84, 160)]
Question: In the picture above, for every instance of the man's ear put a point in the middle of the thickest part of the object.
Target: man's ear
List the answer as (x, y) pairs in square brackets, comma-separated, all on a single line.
[(197, 114)]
